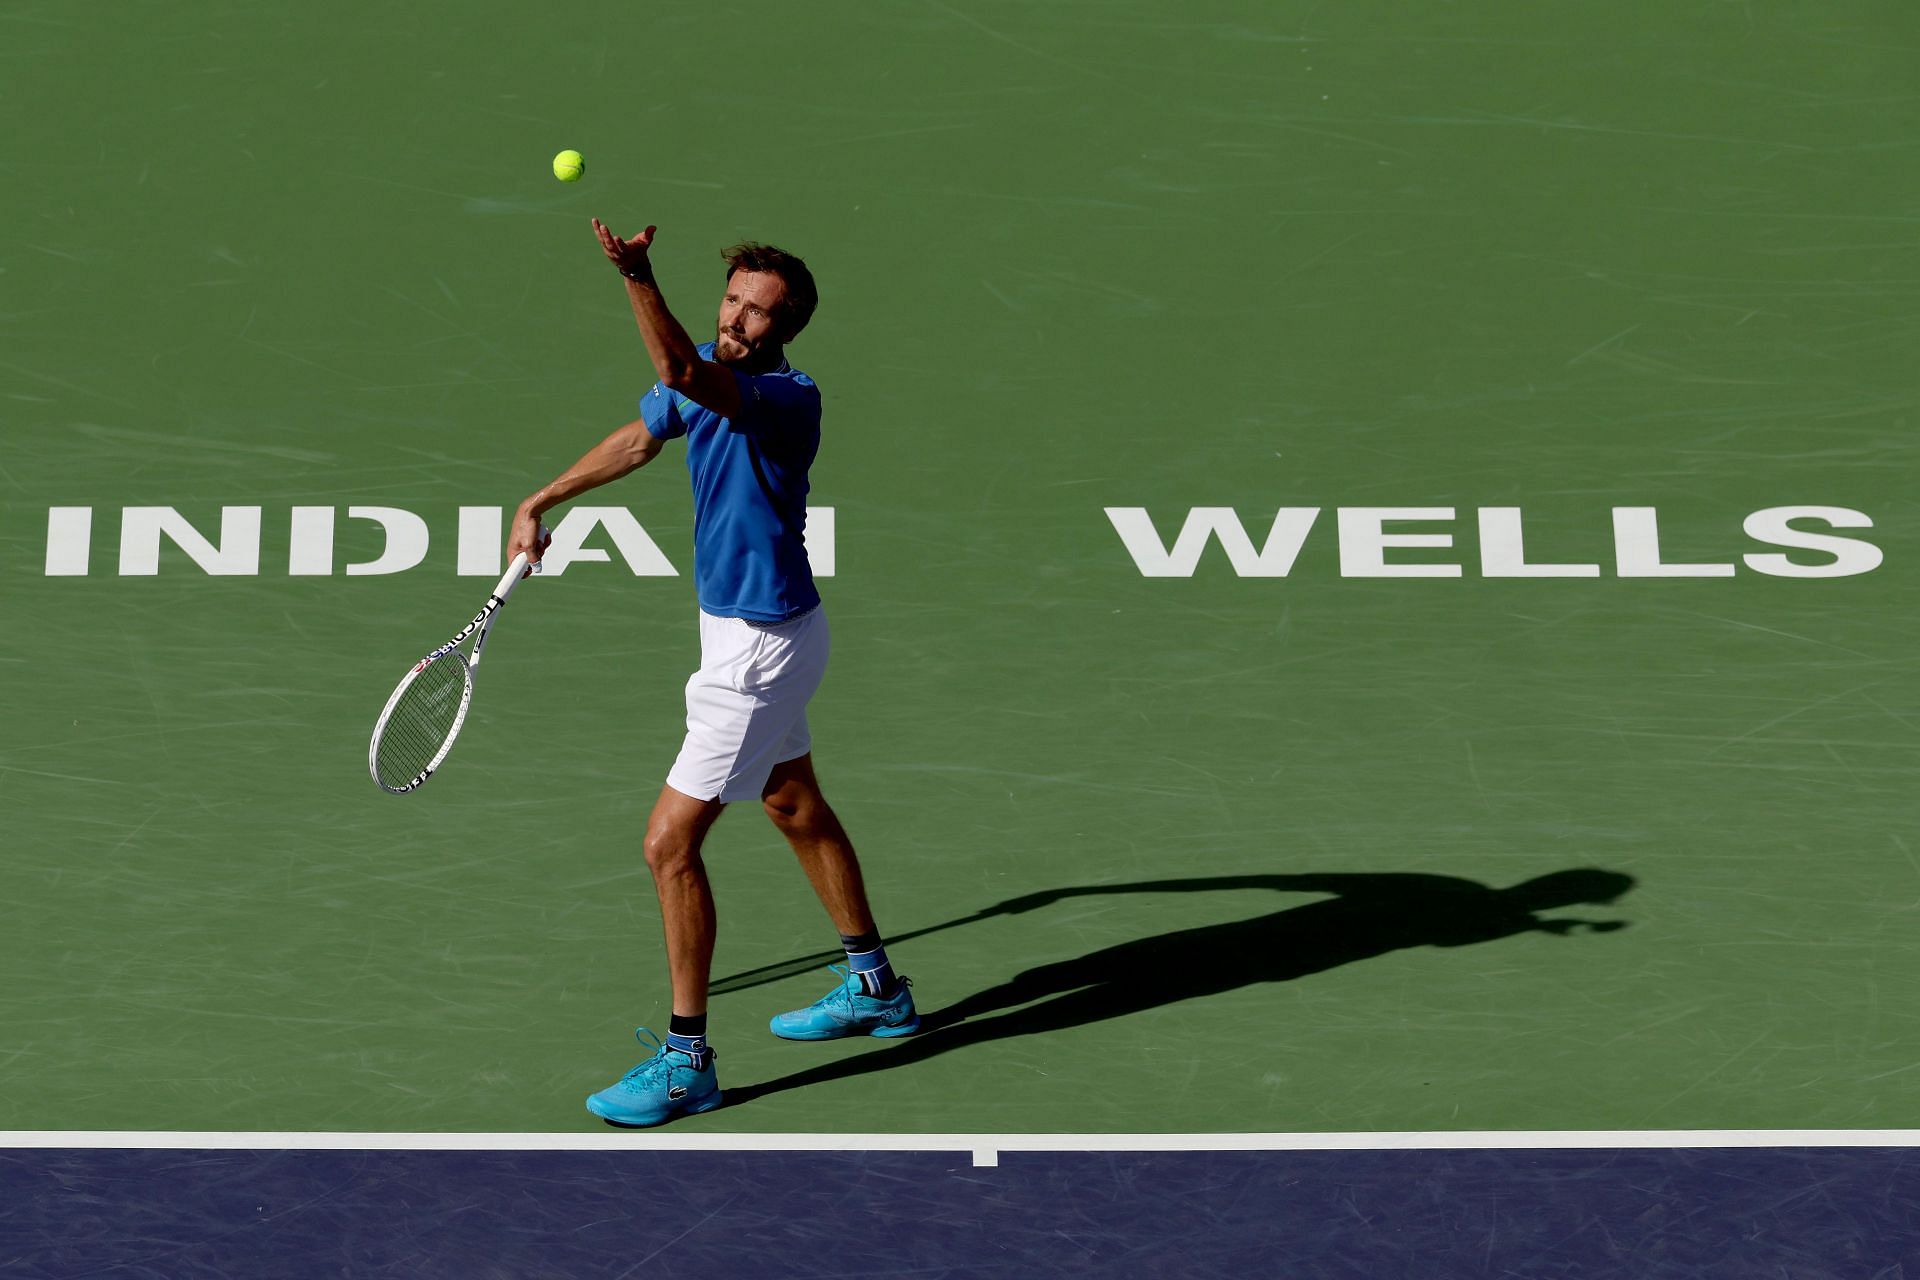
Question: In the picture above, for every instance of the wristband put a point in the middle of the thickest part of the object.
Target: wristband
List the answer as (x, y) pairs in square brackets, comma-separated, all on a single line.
[(643, 276)]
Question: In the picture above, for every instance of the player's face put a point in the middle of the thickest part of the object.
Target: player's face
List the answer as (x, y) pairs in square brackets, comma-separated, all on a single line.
[(748, 332)]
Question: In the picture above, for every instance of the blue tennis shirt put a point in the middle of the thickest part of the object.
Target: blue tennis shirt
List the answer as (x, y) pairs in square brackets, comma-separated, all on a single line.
[(749, 491)]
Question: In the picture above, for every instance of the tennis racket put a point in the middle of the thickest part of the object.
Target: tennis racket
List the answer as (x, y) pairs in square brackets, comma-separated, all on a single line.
[(417, 727)]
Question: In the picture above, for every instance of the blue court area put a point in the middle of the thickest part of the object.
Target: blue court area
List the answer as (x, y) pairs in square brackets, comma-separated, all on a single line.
[(1643, 1214)]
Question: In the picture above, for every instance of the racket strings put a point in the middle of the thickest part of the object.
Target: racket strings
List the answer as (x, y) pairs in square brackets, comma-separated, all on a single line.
[(421, 721)]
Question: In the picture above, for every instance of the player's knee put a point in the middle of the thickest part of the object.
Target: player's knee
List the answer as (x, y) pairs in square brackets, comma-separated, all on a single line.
[(785, 811), (668, 851), (799, 817)]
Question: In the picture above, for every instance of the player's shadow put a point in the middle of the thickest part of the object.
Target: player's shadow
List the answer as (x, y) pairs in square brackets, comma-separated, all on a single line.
[(1368, 915)]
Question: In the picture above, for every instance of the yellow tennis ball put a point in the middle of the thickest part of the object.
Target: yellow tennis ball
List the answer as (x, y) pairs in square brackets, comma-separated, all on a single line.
[(568, 166)]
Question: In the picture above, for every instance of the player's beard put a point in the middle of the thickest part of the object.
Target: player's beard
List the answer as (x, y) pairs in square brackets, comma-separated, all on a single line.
[(731, 348), (750, 358)]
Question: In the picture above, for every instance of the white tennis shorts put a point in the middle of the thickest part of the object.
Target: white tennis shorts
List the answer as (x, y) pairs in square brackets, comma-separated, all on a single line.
[(747, 704)]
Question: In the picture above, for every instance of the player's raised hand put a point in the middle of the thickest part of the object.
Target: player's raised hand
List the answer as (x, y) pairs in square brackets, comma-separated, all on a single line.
[(628, 255)]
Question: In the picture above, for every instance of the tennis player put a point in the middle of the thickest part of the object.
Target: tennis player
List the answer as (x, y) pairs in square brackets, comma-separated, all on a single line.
[(752, 426)]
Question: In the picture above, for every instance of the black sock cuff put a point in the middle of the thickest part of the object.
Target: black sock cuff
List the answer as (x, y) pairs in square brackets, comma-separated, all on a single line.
[(691, 1024), (865, 942)]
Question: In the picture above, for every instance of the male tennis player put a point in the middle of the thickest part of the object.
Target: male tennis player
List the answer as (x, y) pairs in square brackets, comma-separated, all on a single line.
[(752, 426)]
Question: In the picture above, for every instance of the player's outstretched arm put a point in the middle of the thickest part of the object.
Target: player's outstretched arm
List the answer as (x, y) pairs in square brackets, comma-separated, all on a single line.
[(676, 360), (626, 450)]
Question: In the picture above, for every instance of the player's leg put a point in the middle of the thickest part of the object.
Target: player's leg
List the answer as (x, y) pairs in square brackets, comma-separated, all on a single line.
[(872, 1001), (679, 1079), (675, 832), (793, 801)]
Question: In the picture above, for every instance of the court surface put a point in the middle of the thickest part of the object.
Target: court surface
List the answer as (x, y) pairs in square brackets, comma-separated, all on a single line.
[(1372, 575)]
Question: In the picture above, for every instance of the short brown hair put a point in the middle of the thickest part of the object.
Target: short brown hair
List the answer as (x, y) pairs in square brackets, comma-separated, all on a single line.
[(802, 297)]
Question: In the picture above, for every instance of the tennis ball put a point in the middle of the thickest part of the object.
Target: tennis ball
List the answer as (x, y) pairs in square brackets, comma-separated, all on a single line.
[(568, 166)]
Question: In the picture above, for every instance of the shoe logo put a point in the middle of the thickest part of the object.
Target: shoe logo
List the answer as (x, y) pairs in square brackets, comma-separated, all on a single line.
[(676, 1093)]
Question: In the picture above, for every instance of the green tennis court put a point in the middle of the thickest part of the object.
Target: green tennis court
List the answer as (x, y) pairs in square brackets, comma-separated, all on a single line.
[(1345, 811)]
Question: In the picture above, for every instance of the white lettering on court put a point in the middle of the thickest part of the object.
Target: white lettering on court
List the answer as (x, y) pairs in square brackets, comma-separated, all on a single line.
[(590, 534), (483, 532), (1364, 542), (820, 541), (1503, 550), (69, 541), (406, 540), (310, 543), (236, 554), (1850, 555), (636, 547), (1155, 560), (1636, 549)]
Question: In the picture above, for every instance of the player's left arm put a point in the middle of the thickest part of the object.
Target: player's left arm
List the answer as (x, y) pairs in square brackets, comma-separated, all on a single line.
[(676, 359)]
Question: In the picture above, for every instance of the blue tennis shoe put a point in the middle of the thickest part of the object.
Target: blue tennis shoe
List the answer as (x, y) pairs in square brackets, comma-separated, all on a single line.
[(666, 1085), (848, 1010)]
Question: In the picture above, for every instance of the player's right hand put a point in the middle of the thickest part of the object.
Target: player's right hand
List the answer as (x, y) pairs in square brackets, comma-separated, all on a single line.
[(528, 535)]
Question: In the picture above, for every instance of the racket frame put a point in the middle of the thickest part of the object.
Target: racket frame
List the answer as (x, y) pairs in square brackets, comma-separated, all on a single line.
[(483, 623)]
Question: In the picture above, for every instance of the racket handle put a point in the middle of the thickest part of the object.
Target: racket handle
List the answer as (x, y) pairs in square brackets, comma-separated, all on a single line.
[(512, 579)]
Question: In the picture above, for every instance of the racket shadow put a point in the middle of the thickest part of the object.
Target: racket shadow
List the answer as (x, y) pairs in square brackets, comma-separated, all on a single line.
[(1368, 915)]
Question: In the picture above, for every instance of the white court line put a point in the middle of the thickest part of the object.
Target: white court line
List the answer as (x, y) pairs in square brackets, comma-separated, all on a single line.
[(984, 1148)]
